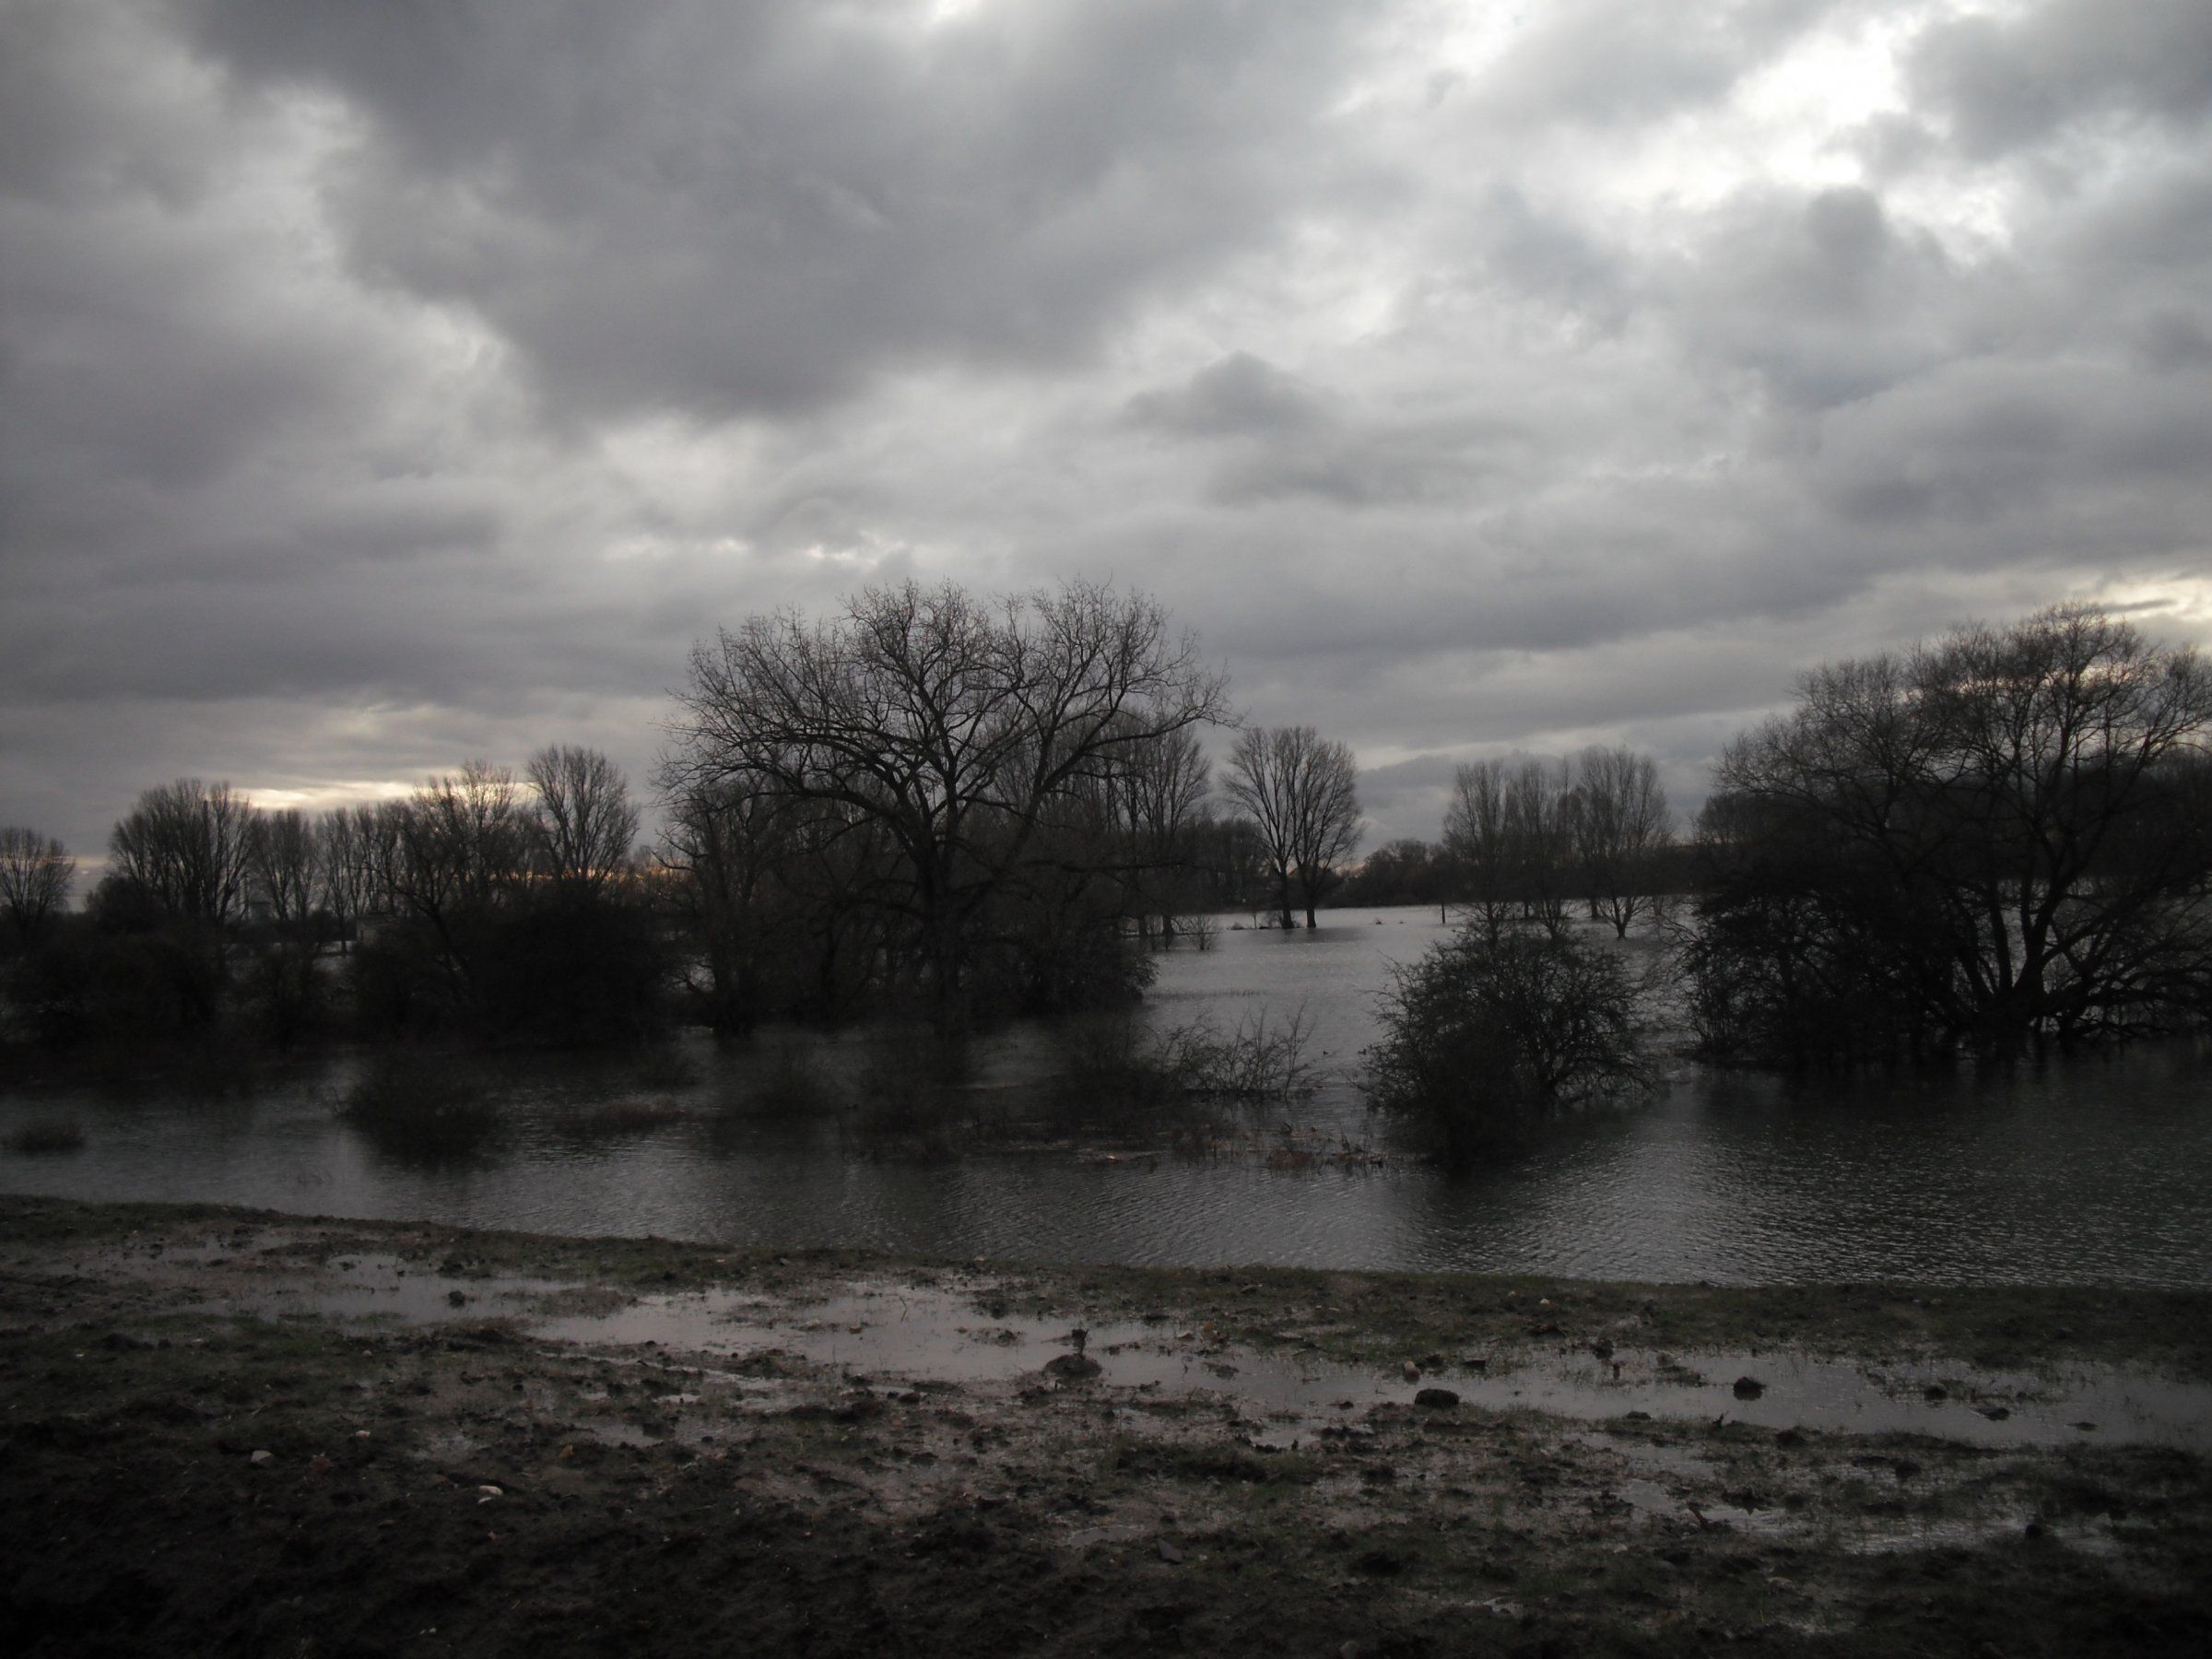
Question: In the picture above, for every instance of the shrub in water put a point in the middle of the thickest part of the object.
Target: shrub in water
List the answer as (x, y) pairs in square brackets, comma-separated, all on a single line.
[(54, 1136), (420, 1108), (1501, 1028), (1110, 1063)]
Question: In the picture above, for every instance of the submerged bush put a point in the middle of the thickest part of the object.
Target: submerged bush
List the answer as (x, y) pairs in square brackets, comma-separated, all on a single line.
[(1501, 1028), (53, 1135), (421, 1109), (1257, 1062), (1112, 1059)]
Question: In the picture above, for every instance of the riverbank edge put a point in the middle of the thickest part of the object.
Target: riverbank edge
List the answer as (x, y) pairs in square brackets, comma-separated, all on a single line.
[(1376, 1317)]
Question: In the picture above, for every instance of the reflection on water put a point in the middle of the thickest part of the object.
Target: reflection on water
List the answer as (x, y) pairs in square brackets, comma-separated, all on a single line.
[(2089, 1171)]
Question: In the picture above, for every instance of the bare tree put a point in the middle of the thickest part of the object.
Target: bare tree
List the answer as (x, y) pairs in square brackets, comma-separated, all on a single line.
[(346, 865), (790, 899), (448, 856), (583, 825), (1620, 825), (186, 846), (36, 873), (1300, 792), (1510, 830), (1155, 798), (283, 854), (953, 724), (1476, 840), (460, 841), (1996, 836)]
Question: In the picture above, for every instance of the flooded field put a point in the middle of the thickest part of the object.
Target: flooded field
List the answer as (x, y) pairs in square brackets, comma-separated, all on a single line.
[(2090, 1171)]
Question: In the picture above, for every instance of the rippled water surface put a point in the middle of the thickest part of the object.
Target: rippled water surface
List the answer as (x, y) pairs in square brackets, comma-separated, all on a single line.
[(2090, 1171)]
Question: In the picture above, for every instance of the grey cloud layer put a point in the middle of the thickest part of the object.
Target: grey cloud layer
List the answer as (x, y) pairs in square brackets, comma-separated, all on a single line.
[(383, 384), (747, 207)]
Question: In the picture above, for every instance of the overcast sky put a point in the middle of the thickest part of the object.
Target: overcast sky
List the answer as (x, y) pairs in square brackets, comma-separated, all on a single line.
[(385, 383)]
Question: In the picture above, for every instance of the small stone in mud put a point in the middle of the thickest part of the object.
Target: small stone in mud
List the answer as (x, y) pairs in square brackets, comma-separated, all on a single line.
[(1475, 1362), (1072, 1365), (1412, 1371), (1790, 1438), (1996, 1414), (1749, 1388), (1440, 1399), (1934, 1392), (455, 1299), (1169, 1554), (260, 1458)]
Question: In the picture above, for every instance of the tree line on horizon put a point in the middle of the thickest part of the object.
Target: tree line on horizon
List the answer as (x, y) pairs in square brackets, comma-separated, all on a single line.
[(966, 807)]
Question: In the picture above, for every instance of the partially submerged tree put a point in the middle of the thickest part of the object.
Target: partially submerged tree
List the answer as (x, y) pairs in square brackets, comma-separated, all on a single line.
[(1298, 791), (788, 902), (1989, 840), (957, 728), (1509, 829), (1619, 826), (1156, 802)]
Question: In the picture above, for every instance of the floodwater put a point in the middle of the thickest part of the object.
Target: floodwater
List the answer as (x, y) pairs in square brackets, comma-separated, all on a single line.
[(2092, 1169)]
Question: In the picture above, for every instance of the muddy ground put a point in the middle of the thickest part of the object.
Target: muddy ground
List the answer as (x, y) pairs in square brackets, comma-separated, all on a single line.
[(225, 1431)]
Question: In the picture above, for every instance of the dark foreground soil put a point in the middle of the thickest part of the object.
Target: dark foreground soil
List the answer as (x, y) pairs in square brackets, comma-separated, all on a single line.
[(192, 1462)]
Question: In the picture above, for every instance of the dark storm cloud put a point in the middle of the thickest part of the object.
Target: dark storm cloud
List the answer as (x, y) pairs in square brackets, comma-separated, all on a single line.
[(382, 384)]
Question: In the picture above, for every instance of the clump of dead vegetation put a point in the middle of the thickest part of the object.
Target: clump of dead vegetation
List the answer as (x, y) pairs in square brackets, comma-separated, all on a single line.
[(1262, 1061)]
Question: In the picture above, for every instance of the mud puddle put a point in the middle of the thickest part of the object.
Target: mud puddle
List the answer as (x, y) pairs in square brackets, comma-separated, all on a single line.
[(876, 1331)]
